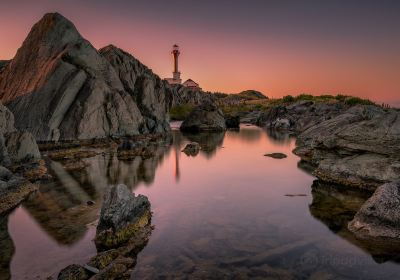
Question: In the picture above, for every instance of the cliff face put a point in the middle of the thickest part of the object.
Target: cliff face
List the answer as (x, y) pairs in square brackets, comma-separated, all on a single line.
[(59, 87)]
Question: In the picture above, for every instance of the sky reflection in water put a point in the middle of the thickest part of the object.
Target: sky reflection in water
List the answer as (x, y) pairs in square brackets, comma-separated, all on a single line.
[(221, 214)]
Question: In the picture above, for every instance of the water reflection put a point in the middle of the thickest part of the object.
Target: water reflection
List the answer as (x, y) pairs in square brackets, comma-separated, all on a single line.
[(221, 214), (6, 249), (209, 142), (279, 137)]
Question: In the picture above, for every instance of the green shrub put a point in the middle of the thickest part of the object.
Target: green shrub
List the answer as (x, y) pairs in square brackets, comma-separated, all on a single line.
[(340, 97), (327, 96), (288, 98), (304, 96), (356, 101), (180, 112)]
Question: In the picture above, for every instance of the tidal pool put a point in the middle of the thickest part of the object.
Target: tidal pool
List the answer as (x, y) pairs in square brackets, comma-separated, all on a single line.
[(227, 213)]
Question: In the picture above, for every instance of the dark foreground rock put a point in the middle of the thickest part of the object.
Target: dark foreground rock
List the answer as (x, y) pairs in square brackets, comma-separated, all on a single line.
[(192, 149), (59, 87), (379, 217), (122, 214), (336, 205), (123, 231), (16, 148), (276, 155), (360, 147), (232, 122), (206, 117)]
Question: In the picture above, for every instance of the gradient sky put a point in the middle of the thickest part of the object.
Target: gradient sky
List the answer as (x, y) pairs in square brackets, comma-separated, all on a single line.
[(278, 47)]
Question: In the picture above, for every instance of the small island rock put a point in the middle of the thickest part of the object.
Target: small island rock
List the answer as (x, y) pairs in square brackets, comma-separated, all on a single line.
[(122, 214), (192, 149), (276, 155)]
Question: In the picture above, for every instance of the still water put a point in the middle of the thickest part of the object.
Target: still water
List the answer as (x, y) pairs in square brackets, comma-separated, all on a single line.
[(227, 213)]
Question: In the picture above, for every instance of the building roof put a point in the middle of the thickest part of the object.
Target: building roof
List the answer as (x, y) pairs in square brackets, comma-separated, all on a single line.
[(190, 80)]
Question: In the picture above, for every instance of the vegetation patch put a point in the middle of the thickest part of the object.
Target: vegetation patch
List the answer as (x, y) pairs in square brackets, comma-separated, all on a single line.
[(180, 112)]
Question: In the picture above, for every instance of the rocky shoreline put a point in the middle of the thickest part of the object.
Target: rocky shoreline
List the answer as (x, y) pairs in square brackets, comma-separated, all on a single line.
[(354, 146)]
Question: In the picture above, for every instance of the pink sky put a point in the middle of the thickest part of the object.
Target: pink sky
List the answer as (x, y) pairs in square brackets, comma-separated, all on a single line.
[(230, 56)]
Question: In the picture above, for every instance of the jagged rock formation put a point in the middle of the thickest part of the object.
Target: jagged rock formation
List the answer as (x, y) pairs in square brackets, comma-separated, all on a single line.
[(359, 147), (205, 117), (59, 87), (379, 217), (184, 95)]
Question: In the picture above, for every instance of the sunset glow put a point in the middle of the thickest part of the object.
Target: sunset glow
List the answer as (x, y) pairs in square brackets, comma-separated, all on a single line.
[(276, 47)]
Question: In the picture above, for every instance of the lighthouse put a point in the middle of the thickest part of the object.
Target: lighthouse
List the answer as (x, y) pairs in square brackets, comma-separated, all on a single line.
[(176, 75)]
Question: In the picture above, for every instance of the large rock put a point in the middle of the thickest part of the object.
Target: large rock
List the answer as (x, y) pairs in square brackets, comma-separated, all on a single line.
[(205, 117), (59, 87), (360, 147), (15, 146), (232, 122), (379, 217), (299, 116), (122, 215)]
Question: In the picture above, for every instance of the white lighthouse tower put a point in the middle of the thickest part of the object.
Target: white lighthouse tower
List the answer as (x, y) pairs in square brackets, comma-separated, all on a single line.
[(176, 75)]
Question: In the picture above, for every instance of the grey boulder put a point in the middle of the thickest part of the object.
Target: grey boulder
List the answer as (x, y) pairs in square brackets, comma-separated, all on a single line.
[(379, 217), (122, 215), (205, 117)]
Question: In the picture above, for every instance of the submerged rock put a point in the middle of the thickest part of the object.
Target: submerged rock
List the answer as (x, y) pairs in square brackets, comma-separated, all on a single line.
[(192, 149), (122, 214), (74, 272), (206, 117), (379, 217), (276, 155)]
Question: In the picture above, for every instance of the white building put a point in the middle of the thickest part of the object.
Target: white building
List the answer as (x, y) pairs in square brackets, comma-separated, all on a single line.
[(191, 84), (176, 75)]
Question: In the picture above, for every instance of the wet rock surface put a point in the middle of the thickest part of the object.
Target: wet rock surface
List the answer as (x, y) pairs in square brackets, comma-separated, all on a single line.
[(122, 232), (122, 214), (59, 87), (276, 155), (192, 149), (379, 217), (205, 117)]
